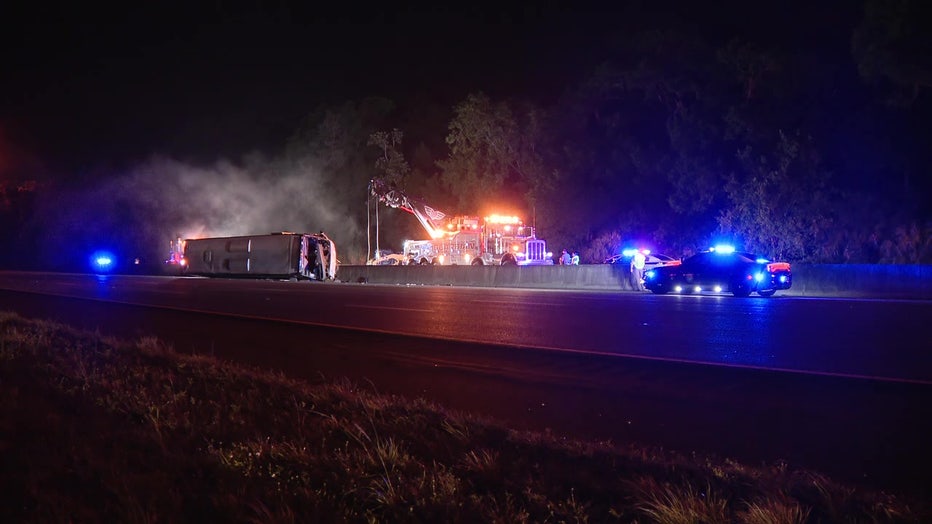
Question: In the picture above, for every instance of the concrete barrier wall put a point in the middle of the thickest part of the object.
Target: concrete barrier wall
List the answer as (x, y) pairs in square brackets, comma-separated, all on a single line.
[(854, 280), (889, 281), (599, 276)]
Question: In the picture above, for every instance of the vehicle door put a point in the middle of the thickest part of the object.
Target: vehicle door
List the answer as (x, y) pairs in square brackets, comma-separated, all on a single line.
[(696, 269)]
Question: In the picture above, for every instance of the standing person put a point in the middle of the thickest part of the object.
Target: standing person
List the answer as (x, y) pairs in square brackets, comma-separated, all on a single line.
[(637, 270), (575, 258), (565, 259)]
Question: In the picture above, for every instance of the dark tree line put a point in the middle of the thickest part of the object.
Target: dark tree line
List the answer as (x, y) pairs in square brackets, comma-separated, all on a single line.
[(810, 147)]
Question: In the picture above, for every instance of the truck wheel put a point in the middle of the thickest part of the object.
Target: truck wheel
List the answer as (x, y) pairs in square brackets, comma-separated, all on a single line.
[(766, 292), (508, 261), (424, 262), (477, 262)]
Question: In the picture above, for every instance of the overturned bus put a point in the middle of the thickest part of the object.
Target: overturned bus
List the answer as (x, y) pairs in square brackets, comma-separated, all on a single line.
[(285, 255)]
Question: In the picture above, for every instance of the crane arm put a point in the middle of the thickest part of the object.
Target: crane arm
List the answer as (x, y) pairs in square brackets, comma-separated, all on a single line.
[(393, 197)]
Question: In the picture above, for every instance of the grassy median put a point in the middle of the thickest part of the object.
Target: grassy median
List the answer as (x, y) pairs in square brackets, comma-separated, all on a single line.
[(94, 429)]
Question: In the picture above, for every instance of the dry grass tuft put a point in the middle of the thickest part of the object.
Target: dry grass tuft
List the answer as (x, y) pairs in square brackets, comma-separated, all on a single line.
[(666, 503)]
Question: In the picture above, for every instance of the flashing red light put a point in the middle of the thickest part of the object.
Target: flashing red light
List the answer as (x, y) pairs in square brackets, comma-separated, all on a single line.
[(778, 266)]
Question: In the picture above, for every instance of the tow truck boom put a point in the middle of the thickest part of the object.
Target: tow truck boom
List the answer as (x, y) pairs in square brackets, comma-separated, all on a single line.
[(426, 215)]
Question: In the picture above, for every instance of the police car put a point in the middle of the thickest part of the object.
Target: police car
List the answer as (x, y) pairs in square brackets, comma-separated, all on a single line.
[(651, 260), (721, 269)]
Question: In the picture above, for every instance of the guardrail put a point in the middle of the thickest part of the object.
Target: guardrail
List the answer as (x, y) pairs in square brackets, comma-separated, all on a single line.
[(850, 280)]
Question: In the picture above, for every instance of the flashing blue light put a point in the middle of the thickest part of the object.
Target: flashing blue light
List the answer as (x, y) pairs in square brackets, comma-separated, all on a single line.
[(759, 277), (783, 278), (650, 274), (102, 261), (629, 252), (722, 249), (762, 261)]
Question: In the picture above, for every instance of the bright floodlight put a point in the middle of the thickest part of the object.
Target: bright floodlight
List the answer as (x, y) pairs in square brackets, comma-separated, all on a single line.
[(723, 249)]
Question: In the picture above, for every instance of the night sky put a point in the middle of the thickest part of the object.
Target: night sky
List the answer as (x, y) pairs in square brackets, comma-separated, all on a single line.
[(86, 84), (95, 84)]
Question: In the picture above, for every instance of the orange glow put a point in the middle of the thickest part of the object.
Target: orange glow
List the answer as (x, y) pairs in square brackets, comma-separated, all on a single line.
[(503, 219)]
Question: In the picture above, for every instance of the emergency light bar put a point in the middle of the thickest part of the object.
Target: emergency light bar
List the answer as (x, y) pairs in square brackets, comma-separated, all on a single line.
[(502, 219)]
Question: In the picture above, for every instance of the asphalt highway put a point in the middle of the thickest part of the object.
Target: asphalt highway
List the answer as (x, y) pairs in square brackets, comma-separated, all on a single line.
[(838, 385)]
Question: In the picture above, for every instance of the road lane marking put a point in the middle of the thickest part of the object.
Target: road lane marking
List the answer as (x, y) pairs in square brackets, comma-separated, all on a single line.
[(512, 302), (855, 376), (390, 308), (810, 372)]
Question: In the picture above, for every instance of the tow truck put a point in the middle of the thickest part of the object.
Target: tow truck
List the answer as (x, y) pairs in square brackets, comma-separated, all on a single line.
[(465, 239)]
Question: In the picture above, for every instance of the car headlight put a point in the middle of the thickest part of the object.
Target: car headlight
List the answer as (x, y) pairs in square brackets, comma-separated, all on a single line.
[(650, 274), (759, 277)]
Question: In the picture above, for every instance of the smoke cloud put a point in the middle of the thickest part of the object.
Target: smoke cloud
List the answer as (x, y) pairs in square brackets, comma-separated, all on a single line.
[(138, 213)]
